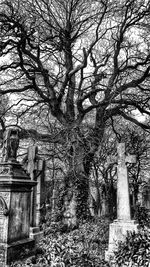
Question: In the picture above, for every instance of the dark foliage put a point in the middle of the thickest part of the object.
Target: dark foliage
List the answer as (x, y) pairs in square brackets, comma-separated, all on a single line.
[(135, 251), (82, 247), (142, 216)]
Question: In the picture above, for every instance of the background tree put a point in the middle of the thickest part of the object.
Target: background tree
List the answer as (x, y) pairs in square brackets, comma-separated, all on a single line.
[(104, 170), (72, 59)]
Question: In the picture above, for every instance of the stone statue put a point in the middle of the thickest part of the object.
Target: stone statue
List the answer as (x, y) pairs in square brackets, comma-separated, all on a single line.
[(10, 145)]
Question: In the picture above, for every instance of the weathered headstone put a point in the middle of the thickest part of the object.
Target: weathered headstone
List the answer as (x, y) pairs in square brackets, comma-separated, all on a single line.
[(15, 192), (35, 167), (146, 197), (94, 200), (70, 211), (118, 229)]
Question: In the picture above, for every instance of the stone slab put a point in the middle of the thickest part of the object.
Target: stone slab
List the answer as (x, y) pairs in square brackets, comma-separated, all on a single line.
[(36, 234), (118, 232), (11, 252)]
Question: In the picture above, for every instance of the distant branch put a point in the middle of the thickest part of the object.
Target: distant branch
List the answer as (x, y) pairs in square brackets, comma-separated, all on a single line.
[(142, 125)]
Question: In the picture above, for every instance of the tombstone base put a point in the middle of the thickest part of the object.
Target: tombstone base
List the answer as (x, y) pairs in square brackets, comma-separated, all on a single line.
[(36, 234), (118, 232), (11, 252)]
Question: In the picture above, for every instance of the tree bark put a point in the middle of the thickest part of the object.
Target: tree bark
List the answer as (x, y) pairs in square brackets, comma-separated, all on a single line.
[(76, 188)]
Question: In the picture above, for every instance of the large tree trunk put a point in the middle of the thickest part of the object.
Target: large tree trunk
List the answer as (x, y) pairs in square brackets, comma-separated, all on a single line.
[(75, 204), (76, 189)]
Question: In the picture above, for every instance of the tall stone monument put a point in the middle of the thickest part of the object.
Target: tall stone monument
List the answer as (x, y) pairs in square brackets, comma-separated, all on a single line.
[(35, 167), (15, 192), (118, 229)]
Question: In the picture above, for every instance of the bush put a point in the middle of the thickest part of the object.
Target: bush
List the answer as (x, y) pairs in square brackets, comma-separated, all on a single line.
[(135, 251), (142, 216), (82, 247)]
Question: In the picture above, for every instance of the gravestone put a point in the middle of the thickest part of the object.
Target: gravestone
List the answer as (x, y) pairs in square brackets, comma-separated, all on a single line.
[(70, 211), (94, 200), (35, 167), (118, 229), (146, 197), (53, 201), (15, 192)]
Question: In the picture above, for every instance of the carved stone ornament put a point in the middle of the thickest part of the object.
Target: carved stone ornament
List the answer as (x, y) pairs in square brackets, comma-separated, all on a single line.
[(5, 196), (6, 170), (3, 207)]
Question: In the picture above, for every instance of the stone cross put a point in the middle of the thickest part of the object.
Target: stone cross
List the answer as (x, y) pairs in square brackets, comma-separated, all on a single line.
[(119, 228), (123, 201)]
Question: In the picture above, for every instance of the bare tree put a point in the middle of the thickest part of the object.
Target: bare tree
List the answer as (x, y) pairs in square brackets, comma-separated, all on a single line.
[(74, 58)]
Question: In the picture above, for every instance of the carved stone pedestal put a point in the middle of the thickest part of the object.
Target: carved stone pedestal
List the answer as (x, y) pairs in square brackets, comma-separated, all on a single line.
[(15, 194), (118, 232)]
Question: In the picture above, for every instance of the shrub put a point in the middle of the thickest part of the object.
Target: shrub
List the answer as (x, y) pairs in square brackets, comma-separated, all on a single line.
[(135, 251), (142, 216), (82, 247)]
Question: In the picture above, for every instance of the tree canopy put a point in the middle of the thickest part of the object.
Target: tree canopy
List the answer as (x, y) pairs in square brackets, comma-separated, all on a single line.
[(77, 56)]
